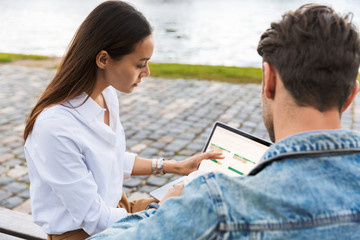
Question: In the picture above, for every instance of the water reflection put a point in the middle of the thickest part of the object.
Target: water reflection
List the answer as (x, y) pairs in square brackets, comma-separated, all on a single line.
[(220, 32)]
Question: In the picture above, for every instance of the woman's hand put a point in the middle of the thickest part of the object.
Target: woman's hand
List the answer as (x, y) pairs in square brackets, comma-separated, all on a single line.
[(191, 164), (175, 191)]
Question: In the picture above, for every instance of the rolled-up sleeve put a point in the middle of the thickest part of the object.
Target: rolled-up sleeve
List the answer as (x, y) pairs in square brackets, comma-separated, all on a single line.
[(129, 159), (59, 159)]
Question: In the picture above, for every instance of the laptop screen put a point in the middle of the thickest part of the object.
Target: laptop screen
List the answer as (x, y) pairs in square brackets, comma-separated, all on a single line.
[(242, 151)]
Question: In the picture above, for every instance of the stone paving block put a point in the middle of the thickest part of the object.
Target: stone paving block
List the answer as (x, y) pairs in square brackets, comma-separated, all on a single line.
[(8, 132), (12, 163), (12, 202), (234, 124), (4, 195), (4, 149), (25, 179), (250, 124), (10, 139), (166, 154), (166, 139), (195, 146), (24, 207), (140, 136), (155, 136), (20, 128), (21, 157), (175, 177), (188, 152), (195, 130), (131, 143), (14, 145), (154, 127), (129, 133), (178, 131), (24, 194), (176, 145), (7, 110), (5, 180), (149, 151), (247, 130), (170, 115), (15, 187), (158, 145), (147, 189), (142, 177), (166, 175), (180, 157), (156, 181), (3, 169), (132, 182), (6, 156), (147, 142), (17, 172), (143, 124), (138, 147), (187, 136), (18, 151)]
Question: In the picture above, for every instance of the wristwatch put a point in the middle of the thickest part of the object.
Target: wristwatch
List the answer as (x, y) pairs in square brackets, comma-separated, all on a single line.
[(152, 205)]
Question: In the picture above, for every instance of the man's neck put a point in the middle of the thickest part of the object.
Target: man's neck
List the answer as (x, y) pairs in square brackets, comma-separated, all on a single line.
[(304, 119)]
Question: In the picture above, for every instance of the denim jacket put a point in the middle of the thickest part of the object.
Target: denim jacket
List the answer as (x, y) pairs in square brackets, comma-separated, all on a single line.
[(308, 189)]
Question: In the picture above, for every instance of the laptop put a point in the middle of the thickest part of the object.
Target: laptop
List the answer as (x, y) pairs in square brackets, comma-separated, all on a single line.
[(242, 152)]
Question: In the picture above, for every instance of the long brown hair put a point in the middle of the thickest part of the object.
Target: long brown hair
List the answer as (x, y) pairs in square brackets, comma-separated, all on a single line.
[(113, 26)]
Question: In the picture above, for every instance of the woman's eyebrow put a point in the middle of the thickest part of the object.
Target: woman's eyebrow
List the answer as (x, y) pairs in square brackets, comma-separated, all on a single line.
[(144, 59)]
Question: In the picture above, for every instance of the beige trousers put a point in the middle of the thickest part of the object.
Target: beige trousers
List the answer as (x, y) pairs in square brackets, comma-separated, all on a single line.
[(130, 207)]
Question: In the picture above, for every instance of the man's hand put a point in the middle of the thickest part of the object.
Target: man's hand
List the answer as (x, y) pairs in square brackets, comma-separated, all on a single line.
[(175, 191)]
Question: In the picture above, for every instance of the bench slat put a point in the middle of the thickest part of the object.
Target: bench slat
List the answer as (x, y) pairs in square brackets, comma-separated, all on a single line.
[(4, 236), (19, 225)]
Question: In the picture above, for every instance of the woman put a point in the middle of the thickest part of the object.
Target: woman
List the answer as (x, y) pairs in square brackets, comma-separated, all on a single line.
[(75, 143)]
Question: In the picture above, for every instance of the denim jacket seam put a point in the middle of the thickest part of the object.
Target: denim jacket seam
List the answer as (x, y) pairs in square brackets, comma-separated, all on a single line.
[(302, 155), (217, 198), (326, 137), (290, 225)]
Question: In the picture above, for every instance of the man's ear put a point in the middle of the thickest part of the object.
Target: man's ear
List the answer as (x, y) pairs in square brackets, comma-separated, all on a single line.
[(269, 80), (102, 59), (351, 97)]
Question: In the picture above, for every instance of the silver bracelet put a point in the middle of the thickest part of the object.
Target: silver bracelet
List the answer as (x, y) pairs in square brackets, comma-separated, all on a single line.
[(153, 166), (160, 166)]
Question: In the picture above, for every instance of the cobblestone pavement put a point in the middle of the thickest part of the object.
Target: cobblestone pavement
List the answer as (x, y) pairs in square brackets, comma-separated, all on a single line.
[(170, 118)]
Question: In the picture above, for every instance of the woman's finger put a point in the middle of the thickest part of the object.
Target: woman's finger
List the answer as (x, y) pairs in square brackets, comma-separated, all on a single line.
[(210, 154)]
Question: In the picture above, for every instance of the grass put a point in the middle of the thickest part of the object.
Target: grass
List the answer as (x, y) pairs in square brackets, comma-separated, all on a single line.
[(174, 70), (9, 57), (208, 72)]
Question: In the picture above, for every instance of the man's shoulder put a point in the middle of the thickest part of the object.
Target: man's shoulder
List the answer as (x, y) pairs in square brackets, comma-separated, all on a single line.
[(314, 141)]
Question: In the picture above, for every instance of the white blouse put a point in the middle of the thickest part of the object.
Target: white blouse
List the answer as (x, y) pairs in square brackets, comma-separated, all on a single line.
[(76, 165)]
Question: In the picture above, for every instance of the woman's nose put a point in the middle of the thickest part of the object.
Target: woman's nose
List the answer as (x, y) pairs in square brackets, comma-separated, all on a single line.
[(146, 72)]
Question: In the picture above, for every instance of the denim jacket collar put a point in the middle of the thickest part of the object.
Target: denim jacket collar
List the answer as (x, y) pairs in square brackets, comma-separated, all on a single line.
[(311, 143)]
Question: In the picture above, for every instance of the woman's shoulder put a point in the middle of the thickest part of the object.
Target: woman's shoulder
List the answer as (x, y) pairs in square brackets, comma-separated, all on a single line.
[(54, 112), (56, 117)]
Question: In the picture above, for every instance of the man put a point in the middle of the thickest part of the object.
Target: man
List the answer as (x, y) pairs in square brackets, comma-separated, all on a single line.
[(308, 183)]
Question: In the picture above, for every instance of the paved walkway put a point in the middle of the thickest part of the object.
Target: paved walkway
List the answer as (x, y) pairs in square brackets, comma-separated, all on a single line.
[(170, 118)]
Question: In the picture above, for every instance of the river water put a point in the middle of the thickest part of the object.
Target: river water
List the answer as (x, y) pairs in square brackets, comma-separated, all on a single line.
[(215, 32)]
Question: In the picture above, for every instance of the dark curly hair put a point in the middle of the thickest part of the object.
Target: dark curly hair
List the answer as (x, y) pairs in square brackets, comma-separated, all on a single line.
[(316, 52)]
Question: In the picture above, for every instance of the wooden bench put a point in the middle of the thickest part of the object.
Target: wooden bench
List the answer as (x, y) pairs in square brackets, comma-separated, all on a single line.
[(17, 225)]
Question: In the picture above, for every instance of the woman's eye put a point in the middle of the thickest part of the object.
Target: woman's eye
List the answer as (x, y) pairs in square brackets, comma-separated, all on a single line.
[(141, 66)]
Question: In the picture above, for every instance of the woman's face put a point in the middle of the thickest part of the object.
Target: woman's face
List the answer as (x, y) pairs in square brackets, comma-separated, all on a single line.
[(125, 74)]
